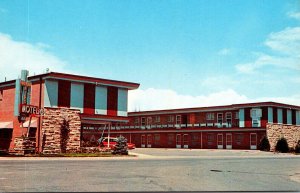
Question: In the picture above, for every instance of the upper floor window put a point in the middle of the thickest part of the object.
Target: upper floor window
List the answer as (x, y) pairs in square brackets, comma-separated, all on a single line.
[(210, 116), (170, 118), (178, 119), (220, 118), (228, 116), (136, 120), (157, 119), (256, 113), (149, 120), (143, 121), (236, 115)]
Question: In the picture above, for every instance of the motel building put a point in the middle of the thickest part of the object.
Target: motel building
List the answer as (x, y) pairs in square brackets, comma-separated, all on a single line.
[(56, 112), (237, 126)]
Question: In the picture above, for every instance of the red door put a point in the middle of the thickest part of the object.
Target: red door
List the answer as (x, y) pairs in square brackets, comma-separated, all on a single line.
[(143, 141)]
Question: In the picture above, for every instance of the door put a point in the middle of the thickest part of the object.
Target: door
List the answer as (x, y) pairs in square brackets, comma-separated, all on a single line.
[(220, 140), (178, 141), (228, 141), (143, 141), (149, 140), (253, 141), (186, 141)]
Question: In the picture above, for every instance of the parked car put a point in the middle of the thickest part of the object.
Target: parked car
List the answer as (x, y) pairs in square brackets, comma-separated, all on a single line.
[(112, 142)]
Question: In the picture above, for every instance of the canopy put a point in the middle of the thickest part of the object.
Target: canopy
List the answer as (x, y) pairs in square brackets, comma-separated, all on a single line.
[(32, 124), (6, 125)]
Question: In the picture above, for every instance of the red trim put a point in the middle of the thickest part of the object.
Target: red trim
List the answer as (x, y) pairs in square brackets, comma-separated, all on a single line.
[(89, 99), (64, 93)]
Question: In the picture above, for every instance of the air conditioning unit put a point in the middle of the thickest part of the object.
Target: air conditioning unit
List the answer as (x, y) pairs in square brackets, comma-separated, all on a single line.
[(255, 123)]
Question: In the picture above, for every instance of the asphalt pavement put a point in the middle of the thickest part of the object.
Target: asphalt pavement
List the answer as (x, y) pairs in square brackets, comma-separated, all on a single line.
[(155, 170)]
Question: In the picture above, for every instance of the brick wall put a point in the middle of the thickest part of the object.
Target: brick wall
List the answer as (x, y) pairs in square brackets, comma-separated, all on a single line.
[(51, 130), (290, 132)]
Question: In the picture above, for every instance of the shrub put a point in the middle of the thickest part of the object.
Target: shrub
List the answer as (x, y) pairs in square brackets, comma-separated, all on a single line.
[(264, 144), (282, 145), (297, 148), (121, 146)]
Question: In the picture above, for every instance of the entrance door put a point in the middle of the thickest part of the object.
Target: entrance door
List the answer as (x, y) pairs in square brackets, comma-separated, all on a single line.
[(143, 141), (149, 140), (220, 140), (253, 141), (186, 141), (228, 141), (178, 141)]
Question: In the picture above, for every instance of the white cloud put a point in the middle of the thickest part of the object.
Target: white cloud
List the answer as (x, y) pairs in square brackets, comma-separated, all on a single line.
[(153, 99), (295, 15), (158, 99), (285, 44), (224, 52), (17, 55)]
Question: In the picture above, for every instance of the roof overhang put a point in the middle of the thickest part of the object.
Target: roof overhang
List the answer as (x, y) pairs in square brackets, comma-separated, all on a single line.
[(102, 119)]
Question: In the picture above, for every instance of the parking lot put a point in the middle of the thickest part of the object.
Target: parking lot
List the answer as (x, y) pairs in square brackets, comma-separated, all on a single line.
[(155, 170)]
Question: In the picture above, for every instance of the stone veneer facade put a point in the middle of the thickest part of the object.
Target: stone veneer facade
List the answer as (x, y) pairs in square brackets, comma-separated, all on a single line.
[(51, 130), (290, 132)]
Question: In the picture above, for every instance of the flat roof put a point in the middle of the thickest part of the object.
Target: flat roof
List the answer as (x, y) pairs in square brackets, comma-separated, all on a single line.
[(214, 108), (77, 78)]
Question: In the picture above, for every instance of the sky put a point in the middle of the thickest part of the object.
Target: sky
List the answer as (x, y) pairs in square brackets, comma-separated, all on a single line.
[(184, 53)]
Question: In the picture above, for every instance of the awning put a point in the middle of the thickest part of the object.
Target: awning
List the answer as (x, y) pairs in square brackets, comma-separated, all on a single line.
[(32, 124), (6, 125)]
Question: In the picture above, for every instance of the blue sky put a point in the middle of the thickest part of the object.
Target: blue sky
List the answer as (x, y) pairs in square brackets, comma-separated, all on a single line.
[(183, 53)]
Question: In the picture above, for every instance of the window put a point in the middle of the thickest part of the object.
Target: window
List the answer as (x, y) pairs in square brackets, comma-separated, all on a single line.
[(256, 113), (210, 116), (178, 119), (149, 120), (157, 119), (195, 137), (143, 121), (136, 120), (228, 116), (220, 118), (236, 115), (170, 118)]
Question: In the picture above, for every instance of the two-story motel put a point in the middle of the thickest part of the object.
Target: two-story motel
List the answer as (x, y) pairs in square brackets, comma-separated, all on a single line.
[(92, 107), (79, 100)]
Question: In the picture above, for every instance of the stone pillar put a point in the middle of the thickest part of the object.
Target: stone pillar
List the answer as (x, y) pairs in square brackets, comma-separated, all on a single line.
[(51, 130), (290, 132)]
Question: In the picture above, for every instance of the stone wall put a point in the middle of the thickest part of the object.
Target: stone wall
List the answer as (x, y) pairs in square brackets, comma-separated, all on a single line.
[(290, 132), (52, 126), (24, 145)]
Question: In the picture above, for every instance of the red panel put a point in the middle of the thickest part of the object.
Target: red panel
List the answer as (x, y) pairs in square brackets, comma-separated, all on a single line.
[(275, 118), (284, 116), (89, 99), (248, 119), (264, 118), (112, 101), (64, 93)]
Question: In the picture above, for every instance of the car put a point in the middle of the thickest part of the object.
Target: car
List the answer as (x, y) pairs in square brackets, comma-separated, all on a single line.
[(112, 142)]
